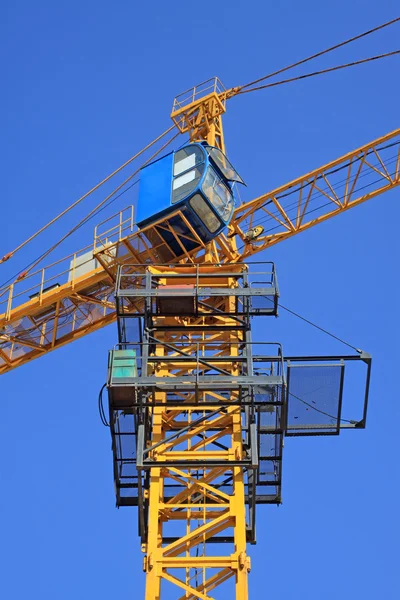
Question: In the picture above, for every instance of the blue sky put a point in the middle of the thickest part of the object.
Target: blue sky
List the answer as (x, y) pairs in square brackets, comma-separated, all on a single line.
[(86, 85)]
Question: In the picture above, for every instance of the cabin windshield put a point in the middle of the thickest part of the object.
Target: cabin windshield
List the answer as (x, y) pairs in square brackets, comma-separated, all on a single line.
[(218, 194), (223, 164)]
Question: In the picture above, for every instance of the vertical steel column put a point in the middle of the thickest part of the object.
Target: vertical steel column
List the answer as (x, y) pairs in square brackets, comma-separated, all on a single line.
[(200, 510), (153, 547)]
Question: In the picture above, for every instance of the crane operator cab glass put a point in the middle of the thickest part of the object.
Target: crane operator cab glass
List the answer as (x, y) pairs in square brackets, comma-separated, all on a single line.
[(195, 183)]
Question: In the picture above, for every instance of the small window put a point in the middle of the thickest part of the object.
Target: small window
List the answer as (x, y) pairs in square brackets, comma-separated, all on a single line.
[(187, 158), (205, 213), (189, 165), (184, 184)]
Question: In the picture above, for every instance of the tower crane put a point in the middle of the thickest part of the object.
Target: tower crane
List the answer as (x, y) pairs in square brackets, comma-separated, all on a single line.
[(198, 410)]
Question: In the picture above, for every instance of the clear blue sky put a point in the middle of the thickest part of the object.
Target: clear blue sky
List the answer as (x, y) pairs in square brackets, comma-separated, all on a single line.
[(87, 84)]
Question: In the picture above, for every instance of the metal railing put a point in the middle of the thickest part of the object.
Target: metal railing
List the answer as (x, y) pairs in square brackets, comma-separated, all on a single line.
[(40, 282), (114, 228), (206, 359), (128, 272), (204, 88), (65, 270)]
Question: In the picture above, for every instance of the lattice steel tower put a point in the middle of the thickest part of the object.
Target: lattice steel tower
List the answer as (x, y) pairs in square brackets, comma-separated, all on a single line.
[(198, 412)]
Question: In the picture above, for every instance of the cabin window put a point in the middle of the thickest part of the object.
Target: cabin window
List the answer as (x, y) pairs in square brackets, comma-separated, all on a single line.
[(187, 158), (218, 194), (188, 170), (202, 210), (186, 183)]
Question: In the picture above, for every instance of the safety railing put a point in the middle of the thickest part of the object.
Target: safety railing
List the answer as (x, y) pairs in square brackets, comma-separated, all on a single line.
[(193, 94), (114, 228), (326, 394), (45, 280), (266, 275), (39, 283), (186, 364), (189, 291)]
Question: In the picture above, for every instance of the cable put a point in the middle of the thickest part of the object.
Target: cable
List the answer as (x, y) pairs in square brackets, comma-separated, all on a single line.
[(321, 411), (3, 285), (102, 413), (274, 216), (113, 200), (335, 47), (330, 70), (341, 167), (95, 212), (293, 190), (24, 273), (310, 211), (316, 195), (96, 187), (318, 327), (339, 184)]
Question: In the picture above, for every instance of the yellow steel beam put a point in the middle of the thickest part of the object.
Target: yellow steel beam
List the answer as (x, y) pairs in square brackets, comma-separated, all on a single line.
[(365, 172), (22, 329), (210, 584), (206, 510), (26, 307), (199, 112)]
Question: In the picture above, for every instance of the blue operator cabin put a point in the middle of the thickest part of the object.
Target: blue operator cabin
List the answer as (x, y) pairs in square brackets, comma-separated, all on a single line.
[(196, 180)]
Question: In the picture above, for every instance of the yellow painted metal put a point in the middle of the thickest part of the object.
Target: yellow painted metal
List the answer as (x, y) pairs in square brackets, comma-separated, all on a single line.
[(198, 111), (357, 167), (31, 327), (204, 510), (69, 299)]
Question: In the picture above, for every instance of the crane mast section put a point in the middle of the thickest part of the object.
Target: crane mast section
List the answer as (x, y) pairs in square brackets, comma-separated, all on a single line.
[(319, 195), (198, 111), (68, 300), (183, 420), (198, 411)]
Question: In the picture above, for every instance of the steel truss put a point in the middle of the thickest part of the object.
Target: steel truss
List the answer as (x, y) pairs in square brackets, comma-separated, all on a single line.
[(192, 411), (198, 413)]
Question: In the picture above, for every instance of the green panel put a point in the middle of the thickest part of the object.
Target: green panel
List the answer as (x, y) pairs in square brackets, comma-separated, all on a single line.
[(123, 363)]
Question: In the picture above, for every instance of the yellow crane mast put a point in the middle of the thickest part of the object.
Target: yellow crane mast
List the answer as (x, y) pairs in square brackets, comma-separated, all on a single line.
[(184, 408)]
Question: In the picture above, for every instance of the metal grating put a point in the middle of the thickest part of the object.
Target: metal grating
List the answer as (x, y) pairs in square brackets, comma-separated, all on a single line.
[(314, 398)]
